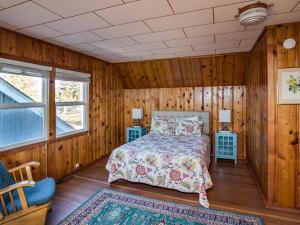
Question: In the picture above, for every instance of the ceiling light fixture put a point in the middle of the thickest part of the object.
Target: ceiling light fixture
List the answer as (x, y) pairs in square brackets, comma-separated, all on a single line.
[(253, 14)]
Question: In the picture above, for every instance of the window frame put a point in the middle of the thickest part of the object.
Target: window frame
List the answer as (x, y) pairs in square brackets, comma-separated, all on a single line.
[(43, 104), (74, 76)]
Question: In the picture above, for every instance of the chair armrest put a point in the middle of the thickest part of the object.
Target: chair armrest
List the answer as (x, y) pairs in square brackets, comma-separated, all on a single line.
[(26, 183), (27, 167), (30, 164), (19, 188)]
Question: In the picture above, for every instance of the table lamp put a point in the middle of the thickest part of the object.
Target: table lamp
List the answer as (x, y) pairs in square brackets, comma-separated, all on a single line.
[(225, 118), (137, 115)]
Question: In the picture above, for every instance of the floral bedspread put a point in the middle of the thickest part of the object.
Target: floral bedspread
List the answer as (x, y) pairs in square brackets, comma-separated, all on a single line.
[(176, 162)]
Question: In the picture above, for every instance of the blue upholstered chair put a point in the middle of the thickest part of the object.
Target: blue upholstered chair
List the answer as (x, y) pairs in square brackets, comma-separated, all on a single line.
[(24, 202)]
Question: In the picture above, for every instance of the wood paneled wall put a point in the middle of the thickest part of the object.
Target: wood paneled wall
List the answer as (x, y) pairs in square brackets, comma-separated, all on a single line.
[(284, 121), (58, 157), (209, 99), (223, 70), (273, 130), (36, 153), (257, 112), (221, 77), (199, 84)]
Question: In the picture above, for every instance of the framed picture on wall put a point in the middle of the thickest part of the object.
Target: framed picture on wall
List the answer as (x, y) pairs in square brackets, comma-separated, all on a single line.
[(289, 86)]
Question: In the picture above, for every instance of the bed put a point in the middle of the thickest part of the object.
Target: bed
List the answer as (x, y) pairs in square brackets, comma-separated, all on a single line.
[(169, 161)]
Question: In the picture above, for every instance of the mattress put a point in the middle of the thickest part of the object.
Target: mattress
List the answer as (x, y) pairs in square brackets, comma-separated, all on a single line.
[(176, 162)]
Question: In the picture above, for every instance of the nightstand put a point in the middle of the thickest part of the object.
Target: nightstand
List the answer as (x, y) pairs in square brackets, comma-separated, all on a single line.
[(226, 145), (133, 133)]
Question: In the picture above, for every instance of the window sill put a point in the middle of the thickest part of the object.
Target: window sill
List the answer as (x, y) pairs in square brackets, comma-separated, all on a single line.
[(12, 150), (15, 149), (68, 136)]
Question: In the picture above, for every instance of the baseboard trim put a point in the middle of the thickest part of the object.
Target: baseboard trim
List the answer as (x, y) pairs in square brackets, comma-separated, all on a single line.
[(257, 184), (289, 210), (67, 176), (268, 204)]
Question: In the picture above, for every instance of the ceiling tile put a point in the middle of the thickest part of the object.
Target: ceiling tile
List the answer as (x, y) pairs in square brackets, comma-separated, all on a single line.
[(173, 50), (8, 26), (117, 42), (107, 57), (84, 22), (108, 51), (283, 18), (34, 15), (84, 47), (297, 8), (116, 59), (278, 19), (230, 44), (139, 10), (130, 59), (113, 58), (101, 53), (133, 54), (68, 8), (231, 50), (143, 47), (228, 12), (280, 6), (115, 50), (181, 20), (190, 41), (41, 31), (121, 59), (165, 56), (129, 1), (248, 42), (197, 53), (78, 38), (97, 51), (180, 6), (55, 42), (123, 30), (217, 28), (90, 54), (9, 3), (237, 35), (160, 36)]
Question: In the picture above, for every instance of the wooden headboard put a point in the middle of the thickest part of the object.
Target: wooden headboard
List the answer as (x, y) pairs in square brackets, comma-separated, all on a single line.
[(203, 116)]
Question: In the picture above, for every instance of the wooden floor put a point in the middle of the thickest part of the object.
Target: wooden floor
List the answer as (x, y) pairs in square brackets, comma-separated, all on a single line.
[(234, 190)]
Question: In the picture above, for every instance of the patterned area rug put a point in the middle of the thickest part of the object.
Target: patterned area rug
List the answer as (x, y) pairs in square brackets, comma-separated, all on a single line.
[(108, 207)]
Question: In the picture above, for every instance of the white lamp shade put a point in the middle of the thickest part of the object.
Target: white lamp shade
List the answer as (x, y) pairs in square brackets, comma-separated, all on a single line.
[(137, 113), (224, 116)]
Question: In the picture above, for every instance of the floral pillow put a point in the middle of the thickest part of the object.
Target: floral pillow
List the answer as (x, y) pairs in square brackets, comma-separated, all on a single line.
[(162, 126), (187, 127)]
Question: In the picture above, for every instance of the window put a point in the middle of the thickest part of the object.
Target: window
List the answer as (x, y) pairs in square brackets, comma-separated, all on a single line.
[(23, 102), (71, 97)]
